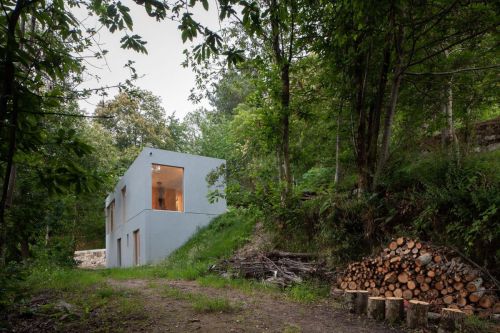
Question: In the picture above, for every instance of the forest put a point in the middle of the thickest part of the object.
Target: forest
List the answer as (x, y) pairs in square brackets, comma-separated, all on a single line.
[(343, 123)]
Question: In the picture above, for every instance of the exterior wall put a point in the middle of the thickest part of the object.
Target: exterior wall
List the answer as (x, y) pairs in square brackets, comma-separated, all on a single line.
[(161, 231), (167, 231)]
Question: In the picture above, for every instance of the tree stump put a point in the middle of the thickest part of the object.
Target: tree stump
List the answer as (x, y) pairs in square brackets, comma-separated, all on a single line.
[(394, 310), (376, 308), (452, 320), (356, 301), (350, 300), (416, 316)]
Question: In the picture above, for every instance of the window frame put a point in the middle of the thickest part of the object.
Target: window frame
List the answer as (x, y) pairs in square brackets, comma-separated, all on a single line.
[(183, 208)]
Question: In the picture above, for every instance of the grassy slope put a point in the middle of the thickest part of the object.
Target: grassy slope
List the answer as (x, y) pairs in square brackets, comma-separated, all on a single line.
[(217, 240)]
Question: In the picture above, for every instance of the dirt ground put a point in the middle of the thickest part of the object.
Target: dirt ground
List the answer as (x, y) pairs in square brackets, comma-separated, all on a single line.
[(258, 312), (168, 306)]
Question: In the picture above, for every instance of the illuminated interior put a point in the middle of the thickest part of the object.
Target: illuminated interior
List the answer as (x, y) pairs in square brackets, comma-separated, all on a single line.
[(167, 187)]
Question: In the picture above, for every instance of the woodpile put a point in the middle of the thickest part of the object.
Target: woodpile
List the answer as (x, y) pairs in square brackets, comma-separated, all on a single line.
[(277, 267), (411, 269)]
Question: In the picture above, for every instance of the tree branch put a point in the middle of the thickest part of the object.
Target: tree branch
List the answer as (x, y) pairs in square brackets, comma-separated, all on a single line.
[(460, 70)]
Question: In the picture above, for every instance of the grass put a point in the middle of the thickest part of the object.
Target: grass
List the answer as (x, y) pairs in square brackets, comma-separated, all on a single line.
[(201, 302), (247, 286), (306, 292), (218, 240)]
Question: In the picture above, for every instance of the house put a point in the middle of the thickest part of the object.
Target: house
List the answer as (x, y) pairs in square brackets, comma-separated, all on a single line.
[(157, 205)]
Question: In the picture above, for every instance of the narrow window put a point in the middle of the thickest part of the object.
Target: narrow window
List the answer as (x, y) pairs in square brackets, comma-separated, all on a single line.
[(137, 247), (110, 214), (167, 188), (119, 252), (124, 204)]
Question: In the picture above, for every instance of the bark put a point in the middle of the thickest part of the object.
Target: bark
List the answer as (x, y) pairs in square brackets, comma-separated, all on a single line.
[(452, 137), (8, 94), (337, 150), (391, 108), (375, 115), (361, 73), (284, 64)]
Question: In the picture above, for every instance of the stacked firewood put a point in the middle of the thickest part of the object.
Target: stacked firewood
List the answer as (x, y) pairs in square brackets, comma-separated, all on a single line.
[(277, 267), (413, 270)]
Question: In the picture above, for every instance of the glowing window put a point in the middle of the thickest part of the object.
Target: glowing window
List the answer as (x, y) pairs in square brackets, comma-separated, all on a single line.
[(167, 183)]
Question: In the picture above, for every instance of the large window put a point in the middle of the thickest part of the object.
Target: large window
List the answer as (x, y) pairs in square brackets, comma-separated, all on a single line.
[(167, 189)]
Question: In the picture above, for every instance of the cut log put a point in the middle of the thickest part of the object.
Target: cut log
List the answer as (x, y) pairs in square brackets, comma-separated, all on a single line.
[(407, 294), (486, 302), (398, 293), (476, 296), (452, 320), (416, 317), (433, 317), (403, 277), (424, 259), (393, 246), (411, 285), (350, 300), (376, 308), (394, 309), (400, 241), (448, 299), (356, 301), (474, 285)]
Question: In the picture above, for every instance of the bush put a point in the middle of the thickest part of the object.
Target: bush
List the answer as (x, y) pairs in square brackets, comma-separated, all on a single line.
[(455, 204)]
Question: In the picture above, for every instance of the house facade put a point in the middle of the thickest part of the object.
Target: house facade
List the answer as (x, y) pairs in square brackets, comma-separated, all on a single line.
[(157, 206)]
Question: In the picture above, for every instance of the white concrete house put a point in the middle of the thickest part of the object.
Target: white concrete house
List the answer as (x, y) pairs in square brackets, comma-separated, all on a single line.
[(157, 205)]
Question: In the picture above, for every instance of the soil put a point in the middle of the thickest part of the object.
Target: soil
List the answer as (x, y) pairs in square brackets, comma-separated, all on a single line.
[(258, 312), (255, 311)]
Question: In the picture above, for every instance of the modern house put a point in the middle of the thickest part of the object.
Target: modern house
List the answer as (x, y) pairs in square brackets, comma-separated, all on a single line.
[(157, 205)]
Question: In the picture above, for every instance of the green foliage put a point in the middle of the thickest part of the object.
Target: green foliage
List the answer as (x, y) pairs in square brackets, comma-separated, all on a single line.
[(456, 203), (201, 302), (308, 292), (218, 240)]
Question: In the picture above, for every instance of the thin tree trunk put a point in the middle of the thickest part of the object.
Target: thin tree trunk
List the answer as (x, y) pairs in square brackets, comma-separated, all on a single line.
[(337, 149), (376, 114), (449, 119), (393, 101), (361, 76), (389, 119)]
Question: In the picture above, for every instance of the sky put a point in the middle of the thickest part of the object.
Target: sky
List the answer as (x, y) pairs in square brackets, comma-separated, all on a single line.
[(161, 68)]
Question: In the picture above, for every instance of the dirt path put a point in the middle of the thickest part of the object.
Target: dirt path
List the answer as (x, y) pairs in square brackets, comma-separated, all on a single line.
[(256, 312)]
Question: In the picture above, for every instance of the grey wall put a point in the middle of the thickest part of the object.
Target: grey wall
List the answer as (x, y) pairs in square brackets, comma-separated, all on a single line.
[(161, 231)]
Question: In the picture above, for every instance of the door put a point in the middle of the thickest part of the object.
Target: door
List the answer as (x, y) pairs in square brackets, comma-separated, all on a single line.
[(119, 252), (137, 247)]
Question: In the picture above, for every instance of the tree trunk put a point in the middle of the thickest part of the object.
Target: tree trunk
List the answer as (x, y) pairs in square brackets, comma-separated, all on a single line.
[(337, 149), (7, 94), (452, 137), (375, 114), (361, 74)]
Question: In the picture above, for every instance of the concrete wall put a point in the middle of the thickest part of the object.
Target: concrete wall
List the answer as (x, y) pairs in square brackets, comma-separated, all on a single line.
[(161, 231)]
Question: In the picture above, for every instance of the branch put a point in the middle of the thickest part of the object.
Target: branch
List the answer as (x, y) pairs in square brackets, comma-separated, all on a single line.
[(460, 41), (67, 114), (460, 70)]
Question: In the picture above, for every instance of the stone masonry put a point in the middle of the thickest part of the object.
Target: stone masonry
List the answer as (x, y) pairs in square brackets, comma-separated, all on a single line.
[(91, 258)]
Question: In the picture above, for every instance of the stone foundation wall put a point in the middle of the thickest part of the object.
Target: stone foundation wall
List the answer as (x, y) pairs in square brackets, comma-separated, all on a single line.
[(91, 258)]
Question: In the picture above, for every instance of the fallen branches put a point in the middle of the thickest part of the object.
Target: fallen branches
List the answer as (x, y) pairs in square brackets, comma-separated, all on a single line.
[(277, 267)]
